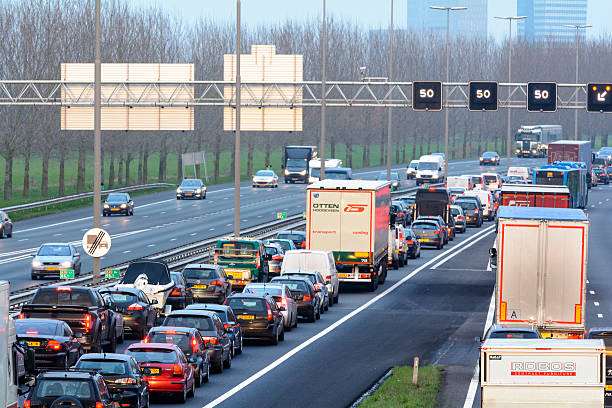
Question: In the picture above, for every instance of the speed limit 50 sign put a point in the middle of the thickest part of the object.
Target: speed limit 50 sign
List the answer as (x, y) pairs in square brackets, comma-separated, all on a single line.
[(483, 96), (541, 96), (427, 95)]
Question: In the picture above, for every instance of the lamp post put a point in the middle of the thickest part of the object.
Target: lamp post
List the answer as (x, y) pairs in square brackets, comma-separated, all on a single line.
[(508, 141), (448, 10), (389, 119), (323, 89), (237, 139), (97, 198), (577, 28)]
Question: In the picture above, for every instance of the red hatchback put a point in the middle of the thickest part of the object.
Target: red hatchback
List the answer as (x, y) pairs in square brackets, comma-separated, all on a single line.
[(165, 368)]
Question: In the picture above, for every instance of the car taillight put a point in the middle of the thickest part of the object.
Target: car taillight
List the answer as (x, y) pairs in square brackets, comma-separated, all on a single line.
[(476, 211), (99, 405), (63, 289), (437, 232), (284, 303), (306, 298), (87, 322), (216, 257), (175, 292), (227, 326), (410, 242), (459, 217), (216, 283), (125, 381), (400, 214), (146, 339), (277, 258), (211, 340), (328, 279), (177, 371), (257, 261), (134, 306), (303, 244), (269, 312), (31, 332), (26, 404), (194, 345), (54, 345), (21, 316)]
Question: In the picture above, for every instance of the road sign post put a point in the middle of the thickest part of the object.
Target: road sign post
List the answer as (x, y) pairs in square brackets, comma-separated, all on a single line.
[(542, 96), (599, 98), (66, 273), (482, 96), (427, 95)]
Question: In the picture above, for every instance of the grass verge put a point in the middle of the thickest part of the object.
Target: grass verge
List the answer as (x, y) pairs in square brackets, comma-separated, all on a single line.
[(397, 391)]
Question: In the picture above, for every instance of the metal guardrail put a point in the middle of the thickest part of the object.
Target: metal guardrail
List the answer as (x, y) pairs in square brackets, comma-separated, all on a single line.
[(64, 199), (179, 257)]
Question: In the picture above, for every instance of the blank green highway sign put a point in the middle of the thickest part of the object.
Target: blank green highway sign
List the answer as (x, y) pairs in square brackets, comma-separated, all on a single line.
[(66, 273), (111, 273)]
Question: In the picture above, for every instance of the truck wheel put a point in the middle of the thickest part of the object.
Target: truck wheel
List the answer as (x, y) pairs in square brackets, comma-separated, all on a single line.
[(395, 264), (373, 285), (382, 276), (400, 260)]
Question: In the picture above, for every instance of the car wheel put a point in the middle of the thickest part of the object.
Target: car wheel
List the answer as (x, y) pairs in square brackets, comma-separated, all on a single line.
[(34, 277), (382, 275), (227, 364), (295, 323), (121, 338), (239, 349), (97, 346), (233, 350), (440, 246), (219, 367), (1, 234), (207, 377), (289, 325), (10, 234), (318, 313), (112, 345), (198, 379), (312, 318), (178, 198), (274, 339), (395, 264), (337, 298), (282, 335), (182, 396), (192, 390)]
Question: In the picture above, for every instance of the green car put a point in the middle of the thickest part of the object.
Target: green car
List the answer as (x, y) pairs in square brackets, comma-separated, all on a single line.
[(243, 259)]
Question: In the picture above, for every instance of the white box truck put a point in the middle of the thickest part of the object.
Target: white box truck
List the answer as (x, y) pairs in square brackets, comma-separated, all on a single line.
[(542, 373), (351, 218), (541, 258)]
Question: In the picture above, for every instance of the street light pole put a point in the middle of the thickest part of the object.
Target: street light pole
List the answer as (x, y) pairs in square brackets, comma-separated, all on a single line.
[(448, 10), (237, 141), (323, 89), (97, 140), (389, 124), (576, 27), (508, 129)]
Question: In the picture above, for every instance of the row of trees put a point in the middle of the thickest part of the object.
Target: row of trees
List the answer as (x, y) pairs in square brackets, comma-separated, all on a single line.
[(36, 36)]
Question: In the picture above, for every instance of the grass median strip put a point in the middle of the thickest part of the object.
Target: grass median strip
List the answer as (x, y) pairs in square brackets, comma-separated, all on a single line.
[(397, 391)]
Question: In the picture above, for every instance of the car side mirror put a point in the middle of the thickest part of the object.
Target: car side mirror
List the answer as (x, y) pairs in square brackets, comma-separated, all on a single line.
[(154, 302), (282, 308), (230, 277), (478, 339), (193, 360), (268, 257), (493, 257)]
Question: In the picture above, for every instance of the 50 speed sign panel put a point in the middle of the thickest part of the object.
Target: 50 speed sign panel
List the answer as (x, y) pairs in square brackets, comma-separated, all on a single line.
[(483, 96), (427, 95), (542, 96)]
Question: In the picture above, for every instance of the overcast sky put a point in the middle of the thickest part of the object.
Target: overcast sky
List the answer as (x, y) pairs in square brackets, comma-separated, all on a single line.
[(366, 13)]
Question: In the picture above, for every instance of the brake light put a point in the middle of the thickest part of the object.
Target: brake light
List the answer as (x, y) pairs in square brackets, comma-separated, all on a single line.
[(227, 326), (460, 217), (328, 279), (306, 298), (54, 345), (170, 332), (410, 242), (476, 211), (21, 316), (269, 312), (277, 258), (26, 404), (257, 261), (63, 289), (437, 232), (216, 283), (99, 405), (175, 292), (303, 244), (284, 303), (216, 257), (177, 370), (211, 340), (400, 214), (31, 332), (145, 340), (87, 322), (134, 306), (194, 345)]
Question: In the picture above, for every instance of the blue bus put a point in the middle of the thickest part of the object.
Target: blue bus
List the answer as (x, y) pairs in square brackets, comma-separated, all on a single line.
[(570, 174)]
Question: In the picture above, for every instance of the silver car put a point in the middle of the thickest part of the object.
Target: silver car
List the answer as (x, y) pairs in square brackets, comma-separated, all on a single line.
[(459, 216), (282, 296), (52, 257), (265, 178)]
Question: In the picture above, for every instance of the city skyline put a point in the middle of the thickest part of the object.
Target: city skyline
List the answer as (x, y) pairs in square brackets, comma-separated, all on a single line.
[(546, 19)]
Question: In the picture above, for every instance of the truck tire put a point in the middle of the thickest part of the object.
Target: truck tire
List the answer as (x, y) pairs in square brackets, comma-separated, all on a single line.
[(373, 285), (400, 260), (382, 275)]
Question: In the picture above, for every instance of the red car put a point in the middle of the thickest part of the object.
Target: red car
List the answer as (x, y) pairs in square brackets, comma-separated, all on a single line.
[(165, 368)]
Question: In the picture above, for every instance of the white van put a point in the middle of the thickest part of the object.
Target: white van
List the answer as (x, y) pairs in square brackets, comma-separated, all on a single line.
[(431, 169), (486, 198), (476, 181), (524, 172), (492, 181), (459, 181), (314, 166), (320, 261)]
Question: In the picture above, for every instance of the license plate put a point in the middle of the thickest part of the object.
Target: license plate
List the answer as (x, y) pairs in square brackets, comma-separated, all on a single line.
[(154, 370), (246, 317), (114, 209), (188, 194), (52, 268), (424, 239), (344, 275), (199, 286), (34, 343)]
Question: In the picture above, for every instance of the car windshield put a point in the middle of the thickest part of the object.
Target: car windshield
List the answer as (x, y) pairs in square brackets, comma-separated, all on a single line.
[(490, 179), (413, 165), (296, 164), (117, 197), (335, 175), (156, 273), (285, 244), (104, 366), (424, 226), (294, 285), (240, 305), (292, 237), (270, 250), (200, 273), (237, 249), (26, 326), (489, 154), (191, 183), (262, 290), (181, 339), (153, 355), (176, 278), (476, 180), (428, 166), (122, 298), (466, 205), (199, 322), (264, 173), (312, 278), (383, 176), (50, 387), (408, 200), (62, 297), (513, 335), (54, 250), (455, 211)]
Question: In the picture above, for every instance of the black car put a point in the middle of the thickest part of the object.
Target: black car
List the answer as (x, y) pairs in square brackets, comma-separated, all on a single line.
[(395, 180), (259, 316), (413, 243), (87, 389), (298, 237), (399, 213), (500, 331), (207, 282), (444, 229), (191, 343), (305, 296), (139, 313), (227, 316), (472, 209), (118, 203), (602, 175), (180, 296), (491, 158), (53, 342), (211, 328), (6, 225), (191, 188), (122, 376)]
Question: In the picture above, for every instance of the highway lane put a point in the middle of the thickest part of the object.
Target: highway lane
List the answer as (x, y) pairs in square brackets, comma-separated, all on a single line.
[(161, 222), (415, 319)]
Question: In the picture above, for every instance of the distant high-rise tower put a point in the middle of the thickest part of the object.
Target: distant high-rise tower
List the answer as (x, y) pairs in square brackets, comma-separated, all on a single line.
[(545, 18), (470, 22)]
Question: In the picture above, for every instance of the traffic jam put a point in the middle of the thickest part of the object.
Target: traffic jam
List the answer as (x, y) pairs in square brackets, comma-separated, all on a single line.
[(187, 326)]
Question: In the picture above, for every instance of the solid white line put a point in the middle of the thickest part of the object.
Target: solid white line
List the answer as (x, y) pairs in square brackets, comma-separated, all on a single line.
[(329, 329), (600, 315), (487, 230), (471, 394), (53, 225), (596, 303), (592, 292)]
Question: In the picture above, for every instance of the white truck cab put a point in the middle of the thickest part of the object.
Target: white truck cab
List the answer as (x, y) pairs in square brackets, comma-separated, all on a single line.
[(314, 166), (430, 170)]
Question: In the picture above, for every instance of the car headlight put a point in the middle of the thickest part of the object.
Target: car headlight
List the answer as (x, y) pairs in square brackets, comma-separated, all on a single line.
[(198, 191), (286, 172), (123, 205), (66, 264), (204, 188), (303, 172), (518, 150), (481, 158), (36, 263), (106, 206), (394, 184), (179, 191)]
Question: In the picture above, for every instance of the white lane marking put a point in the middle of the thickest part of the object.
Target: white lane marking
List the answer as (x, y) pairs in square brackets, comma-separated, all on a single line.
[(57, 235), (126, 251), (488, 230), (600, 315), (607, 199), (173, 239), (22, 239), (193, 233), (592, 205), (588, 281), (155, 203), (334, 326), (53, 225), (259, 216), (84, 229), (471, 394), (106, 225), (592, 292), (599, 203), (211, 229), (145, 216), (151, 245), (596, 303), (163, 212), (226, 198), (228, 225)]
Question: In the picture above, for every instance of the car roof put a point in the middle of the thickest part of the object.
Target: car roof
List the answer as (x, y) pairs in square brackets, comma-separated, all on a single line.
[(202, 266), (292, 232), (428, 221), (134, 291), (161, 346), (191, 312), (39, 320), (105, 356), (81, 375), (500, 327), (189, 330), (56, 243), (249, 295), (208, 306)]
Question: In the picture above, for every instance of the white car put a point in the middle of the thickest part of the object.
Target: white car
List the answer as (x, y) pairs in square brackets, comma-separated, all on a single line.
[(492, 181), (411, 170), (282, 296), (320, 261), (265, 178)]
